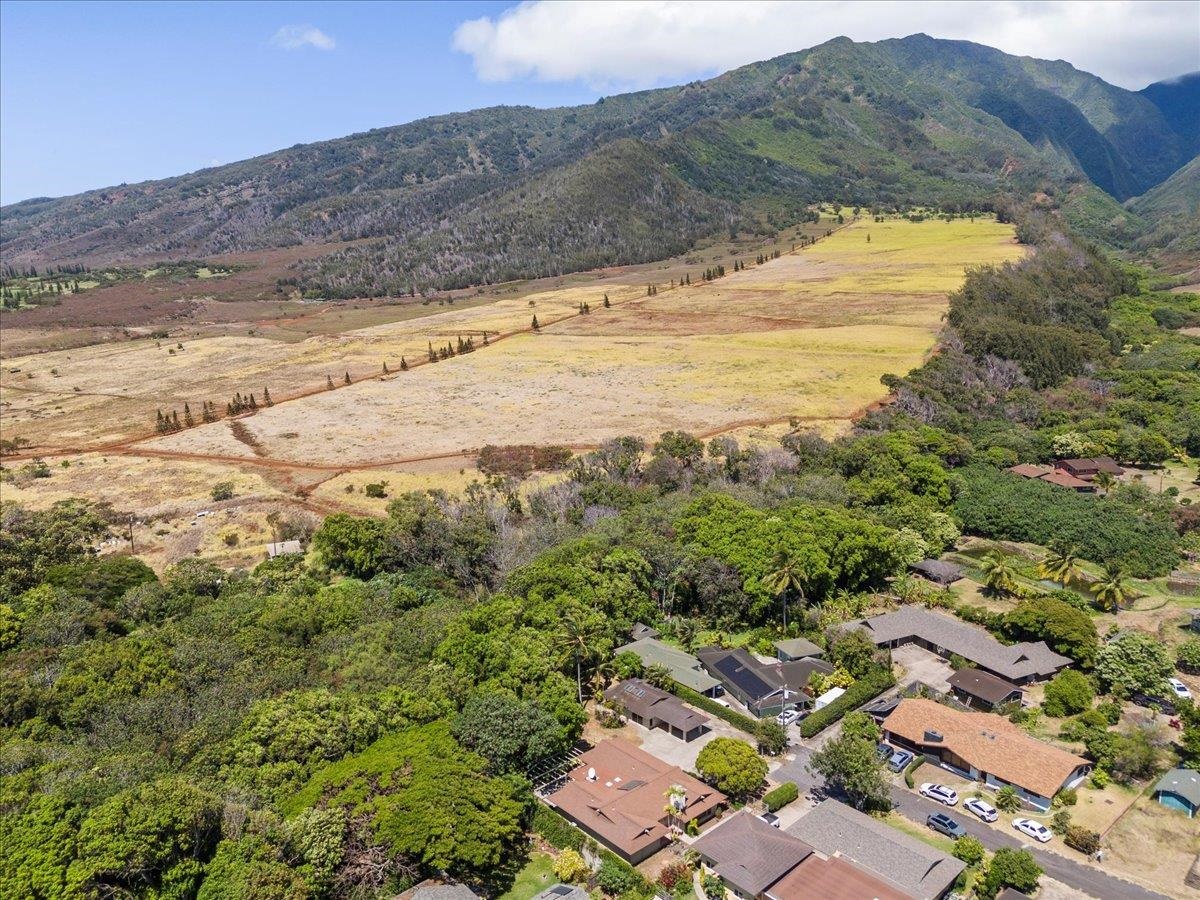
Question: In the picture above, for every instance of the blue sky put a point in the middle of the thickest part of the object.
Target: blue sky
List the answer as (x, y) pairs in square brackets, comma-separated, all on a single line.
[(95, 94)]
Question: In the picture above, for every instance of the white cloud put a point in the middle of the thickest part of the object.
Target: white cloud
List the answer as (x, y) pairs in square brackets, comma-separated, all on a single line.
[(297, 37), (625, 43)]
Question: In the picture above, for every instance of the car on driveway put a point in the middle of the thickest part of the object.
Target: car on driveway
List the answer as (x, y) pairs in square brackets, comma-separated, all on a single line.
[(946, 825), (1035, 830), (1149, 701), (985, 811), (899, 760), (940, 793), (1179, 689), (787, 717), (884, 752)]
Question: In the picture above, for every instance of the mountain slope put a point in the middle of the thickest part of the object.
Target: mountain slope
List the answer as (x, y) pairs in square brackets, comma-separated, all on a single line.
[(513, 192), (1173, 211), (1179, 101)]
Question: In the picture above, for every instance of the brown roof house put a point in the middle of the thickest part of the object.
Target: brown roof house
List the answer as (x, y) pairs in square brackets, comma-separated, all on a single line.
[(652, 707), (948, 636), (619, 793), (985, 747), (908, 865), (1087, 469), (983, 690)]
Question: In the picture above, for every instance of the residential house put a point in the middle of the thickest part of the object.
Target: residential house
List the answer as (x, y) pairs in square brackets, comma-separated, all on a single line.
[(1179, 789), (985, 747), (749, 855), (563, 892), (947, 636), (652, 707), (619, 793), (640, 630), (429, 889), (1050, 475), (758, 862), (937, 571), (1087, 469), (685, 669), (765, 689), (983, 690), (792, 649), (909, 866)]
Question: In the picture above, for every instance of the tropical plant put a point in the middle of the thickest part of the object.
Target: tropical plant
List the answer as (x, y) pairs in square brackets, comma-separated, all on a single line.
[(1060, 564), (1007, 799), (786, 576), (999, 576), (1112, 589), (577, 639)]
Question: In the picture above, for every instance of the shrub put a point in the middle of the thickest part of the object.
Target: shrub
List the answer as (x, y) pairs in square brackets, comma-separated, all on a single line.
[(1082, 839), (1010, 868), (570, 866), (866, 688), (1060, 821), (222, 490), (555, 830), (1100, 779), (1068, 630), (1187, 655), (1068, 693), (673, 874), (911, 770), (1111, 712), (772, 737), (615, 877), (714, 887), (1007, 799), (781, 796), (1066, 797), (375, 490), (969, 849)]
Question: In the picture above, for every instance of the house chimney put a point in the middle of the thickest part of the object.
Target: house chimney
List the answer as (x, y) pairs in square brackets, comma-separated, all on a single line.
[(933, 737)]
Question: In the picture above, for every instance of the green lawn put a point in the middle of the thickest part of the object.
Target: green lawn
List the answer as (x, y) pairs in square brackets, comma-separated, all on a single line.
[(534, 877)]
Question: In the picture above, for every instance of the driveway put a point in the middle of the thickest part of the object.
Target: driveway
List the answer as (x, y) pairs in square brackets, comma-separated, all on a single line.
[(921, 665), (659, 743)]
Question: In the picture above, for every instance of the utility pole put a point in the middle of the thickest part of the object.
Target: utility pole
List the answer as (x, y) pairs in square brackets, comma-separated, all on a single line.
[(131, 547)]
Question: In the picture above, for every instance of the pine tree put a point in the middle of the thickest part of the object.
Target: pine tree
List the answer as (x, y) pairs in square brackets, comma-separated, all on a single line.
[(607, 304), (347, 379), (253, 402), (329, 382), (432, 355), (158, 425), (188, 421), (536, 326), (385, 368), (403, 364), (868, 237), (175, 426), (267, 401)]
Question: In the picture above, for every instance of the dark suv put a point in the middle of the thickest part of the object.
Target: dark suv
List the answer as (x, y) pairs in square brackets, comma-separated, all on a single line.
[(1162, 704), (946, 825)]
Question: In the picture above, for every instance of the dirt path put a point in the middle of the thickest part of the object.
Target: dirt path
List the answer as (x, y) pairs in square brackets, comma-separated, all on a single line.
[(131, 446)]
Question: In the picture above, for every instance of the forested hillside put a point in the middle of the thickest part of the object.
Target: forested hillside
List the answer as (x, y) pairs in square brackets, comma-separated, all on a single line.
[(483, 196)]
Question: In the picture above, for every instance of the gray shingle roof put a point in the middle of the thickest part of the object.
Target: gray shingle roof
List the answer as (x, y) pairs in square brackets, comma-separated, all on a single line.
[(749, 854), (684, 669), (645, 700), (832, 827), (983, 685), (798, 647), (1015, 661), (1184, 782)]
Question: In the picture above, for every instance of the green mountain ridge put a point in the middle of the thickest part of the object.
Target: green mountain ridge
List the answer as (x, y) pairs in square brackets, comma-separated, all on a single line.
[(513, 192)]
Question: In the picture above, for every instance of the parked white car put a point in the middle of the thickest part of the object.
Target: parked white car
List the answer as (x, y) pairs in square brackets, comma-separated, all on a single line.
[(787, 717), (940, 793), (1035, 830), (985, 811), (1179, 689)]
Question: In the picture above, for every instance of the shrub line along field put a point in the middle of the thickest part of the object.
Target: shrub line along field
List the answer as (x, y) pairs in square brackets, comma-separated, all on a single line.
[(804, 337)]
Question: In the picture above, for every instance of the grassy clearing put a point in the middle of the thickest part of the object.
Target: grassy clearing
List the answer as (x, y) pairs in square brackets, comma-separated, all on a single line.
[(533, 878)]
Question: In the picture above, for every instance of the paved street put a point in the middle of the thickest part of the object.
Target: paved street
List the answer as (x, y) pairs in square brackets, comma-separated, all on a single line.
[(1085, 878)]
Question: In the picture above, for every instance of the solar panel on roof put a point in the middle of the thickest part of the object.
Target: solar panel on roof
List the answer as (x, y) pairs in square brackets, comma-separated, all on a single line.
[(743, 678)]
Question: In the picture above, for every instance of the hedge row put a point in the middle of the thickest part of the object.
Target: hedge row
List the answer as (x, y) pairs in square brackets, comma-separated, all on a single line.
[(561, 834), (866, 688), (736, 719), (781, 796)]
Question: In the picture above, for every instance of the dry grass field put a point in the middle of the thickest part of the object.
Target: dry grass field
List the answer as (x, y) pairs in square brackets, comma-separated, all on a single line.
[(803, 337)]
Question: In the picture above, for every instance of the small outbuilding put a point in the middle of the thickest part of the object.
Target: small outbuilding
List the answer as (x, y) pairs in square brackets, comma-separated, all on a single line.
[(983, 690), (828, 697), (937, 571), (283, 548), (796, 648), (1179, 789), (641, 630)]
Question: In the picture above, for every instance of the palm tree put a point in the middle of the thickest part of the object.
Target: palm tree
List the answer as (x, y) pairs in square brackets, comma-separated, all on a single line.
[(1112, 590), (786, 574), (576, 639), (999, 576), (1105, 481), (1060, 564)]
